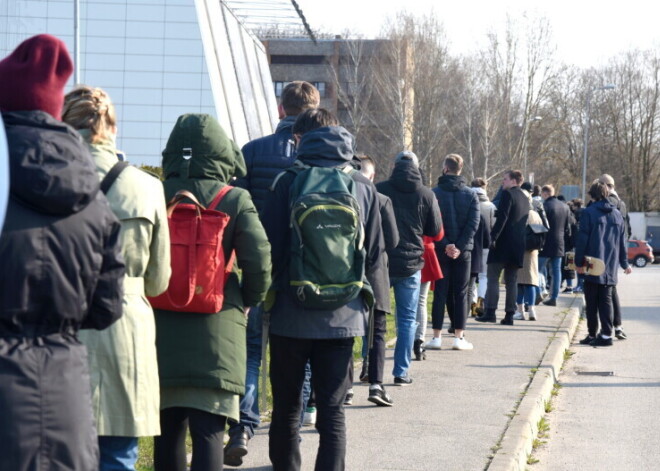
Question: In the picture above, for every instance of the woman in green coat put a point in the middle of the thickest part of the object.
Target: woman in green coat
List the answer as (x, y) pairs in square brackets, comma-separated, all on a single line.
[(122, 358), (201, 357)]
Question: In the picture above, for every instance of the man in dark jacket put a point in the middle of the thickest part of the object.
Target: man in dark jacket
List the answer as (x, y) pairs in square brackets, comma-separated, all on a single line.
[(507, 247), (264, 158), (417, 214), (618, 203), (324, 337), (559, 217), (374, 365), (61, 268), (459, 207), (601, 235)]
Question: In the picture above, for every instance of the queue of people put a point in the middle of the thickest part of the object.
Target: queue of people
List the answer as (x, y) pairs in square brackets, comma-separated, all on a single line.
[(307, 248)]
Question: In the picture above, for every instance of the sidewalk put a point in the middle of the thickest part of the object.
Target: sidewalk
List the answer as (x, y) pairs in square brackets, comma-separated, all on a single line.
[(454, 415)]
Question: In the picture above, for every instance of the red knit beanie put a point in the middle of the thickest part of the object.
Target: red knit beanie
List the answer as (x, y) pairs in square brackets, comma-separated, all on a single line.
[(34, 75)]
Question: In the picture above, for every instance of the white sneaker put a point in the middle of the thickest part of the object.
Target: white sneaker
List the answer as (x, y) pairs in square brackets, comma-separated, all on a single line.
[(532, 313), (434, 344), (310, 416), (519, 316), (462, 344)]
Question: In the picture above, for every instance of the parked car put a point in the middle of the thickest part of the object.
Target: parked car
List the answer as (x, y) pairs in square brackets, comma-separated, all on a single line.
[(639, 253)]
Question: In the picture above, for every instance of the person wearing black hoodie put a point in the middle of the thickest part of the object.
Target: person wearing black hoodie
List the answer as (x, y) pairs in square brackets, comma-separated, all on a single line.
[(62, 269), (322, 337), (460, 218), (417, 214)]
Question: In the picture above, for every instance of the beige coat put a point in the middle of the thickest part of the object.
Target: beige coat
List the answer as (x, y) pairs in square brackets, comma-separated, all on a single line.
[(529, 273), (122, 358)]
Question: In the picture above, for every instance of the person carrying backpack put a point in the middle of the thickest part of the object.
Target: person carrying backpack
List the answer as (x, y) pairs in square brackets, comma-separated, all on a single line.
[(202, 355), (323, 222)]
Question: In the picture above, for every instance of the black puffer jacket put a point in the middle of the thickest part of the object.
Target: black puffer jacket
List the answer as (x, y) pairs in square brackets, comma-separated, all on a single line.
[(61, 271), (460, 212), (417, 214)]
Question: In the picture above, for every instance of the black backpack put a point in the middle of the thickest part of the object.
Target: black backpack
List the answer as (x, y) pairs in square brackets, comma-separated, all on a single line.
[(535, 236)]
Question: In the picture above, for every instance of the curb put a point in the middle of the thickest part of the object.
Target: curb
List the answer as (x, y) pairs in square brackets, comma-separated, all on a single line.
[(516, 444)]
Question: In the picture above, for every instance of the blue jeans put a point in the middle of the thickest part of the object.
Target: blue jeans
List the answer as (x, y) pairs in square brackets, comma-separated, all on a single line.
[(406, 297), (555, 266), (527, 294), (250, 401), (118, 453)]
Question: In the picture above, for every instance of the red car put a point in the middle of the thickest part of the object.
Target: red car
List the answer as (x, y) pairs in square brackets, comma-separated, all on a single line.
[(639, 253)]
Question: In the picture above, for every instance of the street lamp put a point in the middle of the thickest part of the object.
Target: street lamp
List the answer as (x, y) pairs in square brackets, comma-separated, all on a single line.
[(586, 137), (527, 124)]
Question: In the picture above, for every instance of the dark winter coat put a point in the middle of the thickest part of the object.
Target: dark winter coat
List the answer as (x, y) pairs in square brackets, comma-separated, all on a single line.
[(208, 350), (61, 271), (323, 147), (559, 217), (481, 242), (380, 280), (265, 158), (508, 233), (459, 207), (602, 235), (621, 206), (417, 214)]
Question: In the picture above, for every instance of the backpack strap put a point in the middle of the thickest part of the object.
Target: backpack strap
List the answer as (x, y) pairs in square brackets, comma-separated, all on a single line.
[(218, 198), (112, 175)]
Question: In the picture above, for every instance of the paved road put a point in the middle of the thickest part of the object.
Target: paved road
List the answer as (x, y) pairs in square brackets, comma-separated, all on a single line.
[(611, 422), (454, 413)]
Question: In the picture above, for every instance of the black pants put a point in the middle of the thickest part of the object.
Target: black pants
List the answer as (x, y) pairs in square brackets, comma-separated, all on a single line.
[(451, 291), (329, 359), (616, 307), (510, 282), (599, 306), (207, 433)]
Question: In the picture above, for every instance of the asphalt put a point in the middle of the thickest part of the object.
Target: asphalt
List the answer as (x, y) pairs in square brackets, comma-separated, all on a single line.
[(466, 410), (606, 413)]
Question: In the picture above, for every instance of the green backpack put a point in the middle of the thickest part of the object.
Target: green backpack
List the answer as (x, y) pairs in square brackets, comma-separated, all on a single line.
[(326, 268)]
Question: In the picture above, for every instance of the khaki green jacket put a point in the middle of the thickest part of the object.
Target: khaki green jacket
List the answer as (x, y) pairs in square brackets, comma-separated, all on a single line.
[(122, 358)]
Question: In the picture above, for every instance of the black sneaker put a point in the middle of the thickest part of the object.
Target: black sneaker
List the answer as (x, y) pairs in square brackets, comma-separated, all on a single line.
[(403, 380), (601, 342), (620, 334), (378, 396), (348, 400), (419, 350), (451, 330), (587, 340), (568, 290), (364, 373), (550, 302)]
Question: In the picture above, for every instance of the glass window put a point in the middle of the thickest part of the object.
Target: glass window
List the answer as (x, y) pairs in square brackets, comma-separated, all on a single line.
[(321, 88)]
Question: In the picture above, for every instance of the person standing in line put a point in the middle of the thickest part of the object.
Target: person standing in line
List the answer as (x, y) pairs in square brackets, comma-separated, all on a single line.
[(619, 204), (507, 250), (528, 279), (417, 215), (202, 357), (431, 272), (62, 269), (459, 207), (125, 390), (601, 235), (374, 364), (265, 157), (487, 213), (559, 218)]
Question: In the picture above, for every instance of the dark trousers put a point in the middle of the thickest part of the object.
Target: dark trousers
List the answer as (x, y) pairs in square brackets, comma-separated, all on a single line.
[(451, 291), (616, 307), (207, 433), (329, 359), (376, 354), (599, 306), (510, 283)]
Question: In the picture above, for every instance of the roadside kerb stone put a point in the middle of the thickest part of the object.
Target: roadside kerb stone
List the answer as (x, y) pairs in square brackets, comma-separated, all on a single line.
[(516, 444)]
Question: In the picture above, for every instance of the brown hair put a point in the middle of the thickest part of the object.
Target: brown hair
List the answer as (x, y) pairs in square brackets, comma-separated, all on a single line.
[(90, 108), (598, 191), (299, 96), (548, 189), (478, 183), (515, 175), (454, 163), (313, 119)]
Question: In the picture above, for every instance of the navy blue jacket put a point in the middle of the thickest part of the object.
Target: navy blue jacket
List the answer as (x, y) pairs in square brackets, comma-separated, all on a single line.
[(459, 207), (602, 235), (323, 147), (265, 158)]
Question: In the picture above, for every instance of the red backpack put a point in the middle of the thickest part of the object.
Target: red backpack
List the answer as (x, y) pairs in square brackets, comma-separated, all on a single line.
[(199, 271)]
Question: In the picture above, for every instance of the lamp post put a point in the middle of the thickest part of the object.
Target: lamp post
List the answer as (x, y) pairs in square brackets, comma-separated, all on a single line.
[(527, 124), (586, 137)]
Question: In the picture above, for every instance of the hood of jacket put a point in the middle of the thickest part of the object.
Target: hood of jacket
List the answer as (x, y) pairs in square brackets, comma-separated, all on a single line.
[(330, 146), (51, 169), (406, 177), (214, 155), (451, 182), (604, 206), (481, 194), (286, 124)]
